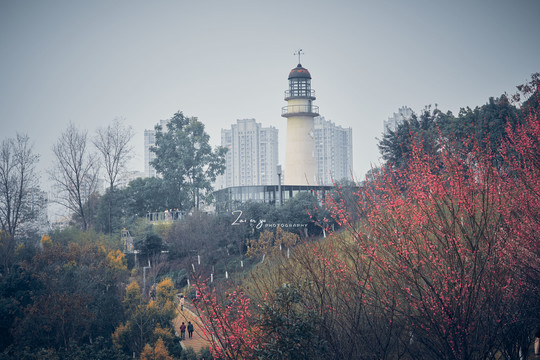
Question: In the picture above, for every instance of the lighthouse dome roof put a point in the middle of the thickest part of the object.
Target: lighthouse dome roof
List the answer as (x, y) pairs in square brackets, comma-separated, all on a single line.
[(299, 72)]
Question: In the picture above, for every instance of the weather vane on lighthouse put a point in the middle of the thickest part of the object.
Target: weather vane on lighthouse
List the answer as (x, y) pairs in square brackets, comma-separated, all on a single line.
[(298, 52)]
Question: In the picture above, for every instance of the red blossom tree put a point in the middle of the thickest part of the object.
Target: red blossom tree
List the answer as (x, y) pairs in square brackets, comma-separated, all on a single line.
[(228, 322), (438, 259), (521, 154), (456, 241)]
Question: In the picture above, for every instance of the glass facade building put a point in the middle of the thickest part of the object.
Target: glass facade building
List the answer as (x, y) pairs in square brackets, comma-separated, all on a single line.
[(231, 198)]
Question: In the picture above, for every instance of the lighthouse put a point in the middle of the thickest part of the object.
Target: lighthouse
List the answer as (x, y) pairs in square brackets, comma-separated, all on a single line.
[(300, 157)]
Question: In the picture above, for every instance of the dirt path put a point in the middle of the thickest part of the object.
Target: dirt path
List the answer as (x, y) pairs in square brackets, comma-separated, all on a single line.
[(199, 340)]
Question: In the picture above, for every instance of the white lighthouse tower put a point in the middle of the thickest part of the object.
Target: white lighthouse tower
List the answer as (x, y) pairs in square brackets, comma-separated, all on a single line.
[(300, 157)]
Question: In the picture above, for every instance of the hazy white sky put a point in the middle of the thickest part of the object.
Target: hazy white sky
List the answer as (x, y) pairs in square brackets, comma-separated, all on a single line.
[(91, 61)]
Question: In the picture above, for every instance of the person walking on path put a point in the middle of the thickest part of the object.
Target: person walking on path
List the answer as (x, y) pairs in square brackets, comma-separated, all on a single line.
[(182, 302), (182, 331), (190, 329)]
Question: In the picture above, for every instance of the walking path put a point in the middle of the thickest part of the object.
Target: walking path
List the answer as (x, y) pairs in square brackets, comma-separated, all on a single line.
[(199, 340)]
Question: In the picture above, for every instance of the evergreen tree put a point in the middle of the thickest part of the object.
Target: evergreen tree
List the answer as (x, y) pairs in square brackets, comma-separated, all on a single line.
[(186, 160)]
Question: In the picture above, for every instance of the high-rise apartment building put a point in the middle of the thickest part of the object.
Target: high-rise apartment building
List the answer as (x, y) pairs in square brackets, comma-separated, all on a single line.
[(333, 151), (126, 177), (269, 157), (36, 203), (252, 155), (149, 141), (404, 113)]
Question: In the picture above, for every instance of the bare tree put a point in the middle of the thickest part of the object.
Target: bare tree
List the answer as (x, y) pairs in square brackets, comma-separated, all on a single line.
[(74, 172), (17, 181), (113, 145)]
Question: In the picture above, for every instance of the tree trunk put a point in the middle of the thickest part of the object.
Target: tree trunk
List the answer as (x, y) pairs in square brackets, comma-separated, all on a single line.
[(110, 207)]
